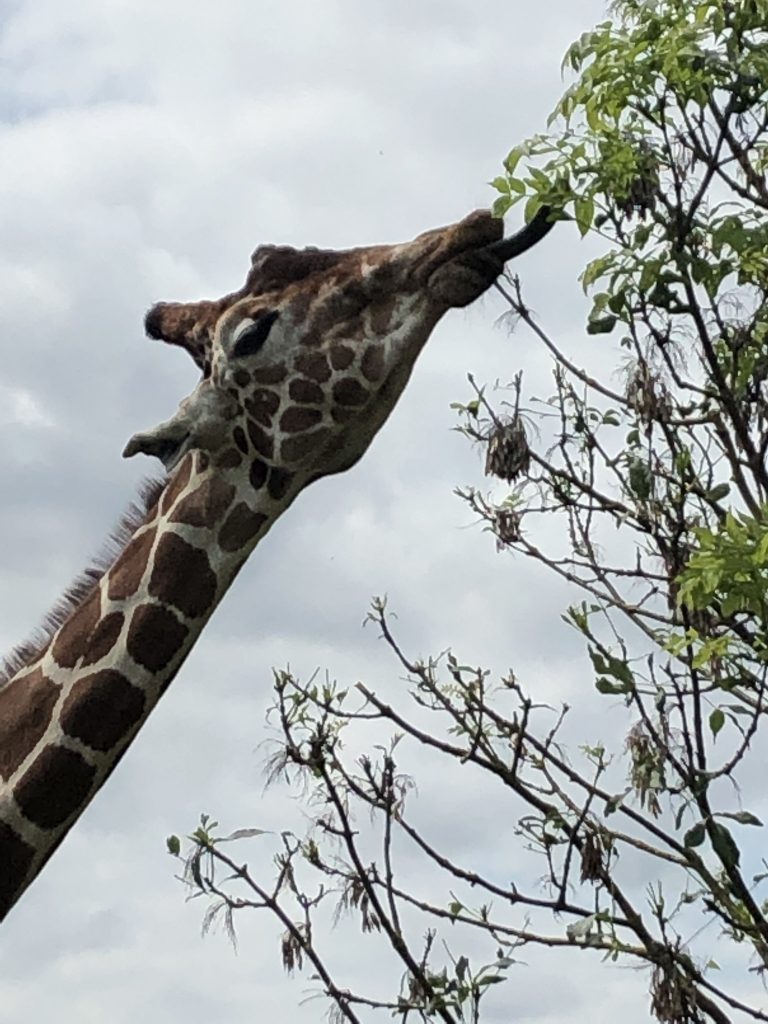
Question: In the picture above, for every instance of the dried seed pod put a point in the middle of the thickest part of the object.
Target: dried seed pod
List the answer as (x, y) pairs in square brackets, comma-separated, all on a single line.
[(508, 454), (592, 860), (648, 395), (506, 523)]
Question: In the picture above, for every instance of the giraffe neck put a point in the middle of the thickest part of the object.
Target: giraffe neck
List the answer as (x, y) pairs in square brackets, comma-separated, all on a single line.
[(68, 716)]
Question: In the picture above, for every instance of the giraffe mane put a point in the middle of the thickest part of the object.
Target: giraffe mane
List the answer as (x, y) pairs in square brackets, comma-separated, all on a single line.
[(84, 583)]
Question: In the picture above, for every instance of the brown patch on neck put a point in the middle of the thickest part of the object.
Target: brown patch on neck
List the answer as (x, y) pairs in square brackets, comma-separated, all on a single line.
[(142, 511), (127, 572), (182, 577), (16, 858), (349, 392), (177, 484), (206, 504), (56, 784), (101, 709), (155, 636), (26, 706), (71, 642), (240, 527)]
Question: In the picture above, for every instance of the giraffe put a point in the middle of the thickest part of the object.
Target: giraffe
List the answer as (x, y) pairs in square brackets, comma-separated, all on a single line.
[(300, 369)]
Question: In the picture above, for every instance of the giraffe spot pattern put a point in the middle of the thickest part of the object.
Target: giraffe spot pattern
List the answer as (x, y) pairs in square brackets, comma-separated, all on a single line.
[(341, 357), (205, 505), (103, 638), (278, 483), (240, 527), (270, 374), (260, 440), (263, 405), (372, 364), (349, 391), (258, 474), (155, 636), (342, 415), (182, 576), (314, 365), (297, 418), (54, 786), (125, 576), (381, 315), (71, 639), (26, 706), (242, 378), (306, 391), (177, 484), (293, 449), (238, 436), (16, 857), (101, 708)]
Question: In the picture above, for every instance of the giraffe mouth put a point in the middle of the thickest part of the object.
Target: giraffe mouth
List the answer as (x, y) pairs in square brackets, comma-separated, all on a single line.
[(472, 269), (169, 450), (488, 260)]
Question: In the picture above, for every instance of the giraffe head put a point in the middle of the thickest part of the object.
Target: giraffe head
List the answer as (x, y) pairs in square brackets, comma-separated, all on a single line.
[(303, 364)]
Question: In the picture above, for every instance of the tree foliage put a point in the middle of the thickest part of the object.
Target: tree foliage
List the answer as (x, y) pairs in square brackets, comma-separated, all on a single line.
[(654, 492)]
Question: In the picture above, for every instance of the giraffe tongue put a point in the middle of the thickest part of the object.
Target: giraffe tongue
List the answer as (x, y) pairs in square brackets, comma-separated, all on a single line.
[(540, 225)]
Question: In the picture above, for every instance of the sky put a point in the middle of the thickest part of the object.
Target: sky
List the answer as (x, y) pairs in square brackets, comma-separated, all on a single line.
[(147, 148)]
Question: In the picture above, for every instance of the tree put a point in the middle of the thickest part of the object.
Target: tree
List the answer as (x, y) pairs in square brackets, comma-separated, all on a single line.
[(659, 148)]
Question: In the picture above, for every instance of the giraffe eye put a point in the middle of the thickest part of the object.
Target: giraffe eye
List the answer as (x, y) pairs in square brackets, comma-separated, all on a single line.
[(249, 341)]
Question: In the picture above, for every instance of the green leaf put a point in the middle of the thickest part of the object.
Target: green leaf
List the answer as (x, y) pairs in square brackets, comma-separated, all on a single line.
[(603, 685), (532, 207), (694, 836), (744, 818), (490, 979), (513, 159), (725, 846), (640, 481), (174, 845), (501, 205), (584, 210), (598, 661), (719, 492), (244, 833), (716, 721), (602, 325)]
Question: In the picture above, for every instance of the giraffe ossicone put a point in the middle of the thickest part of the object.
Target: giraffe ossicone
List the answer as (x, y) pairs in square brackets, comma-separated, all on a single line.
[(300, 369)]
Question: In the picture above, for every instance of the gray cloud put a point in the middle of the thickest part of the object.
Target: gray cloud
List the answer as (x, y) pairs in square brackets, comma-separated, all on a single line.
[(147, 148)]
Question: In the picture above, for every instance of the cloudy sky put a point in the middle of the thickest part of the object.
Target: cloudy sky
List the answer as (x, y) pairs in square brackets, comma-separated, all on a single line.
[(146, 149)]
